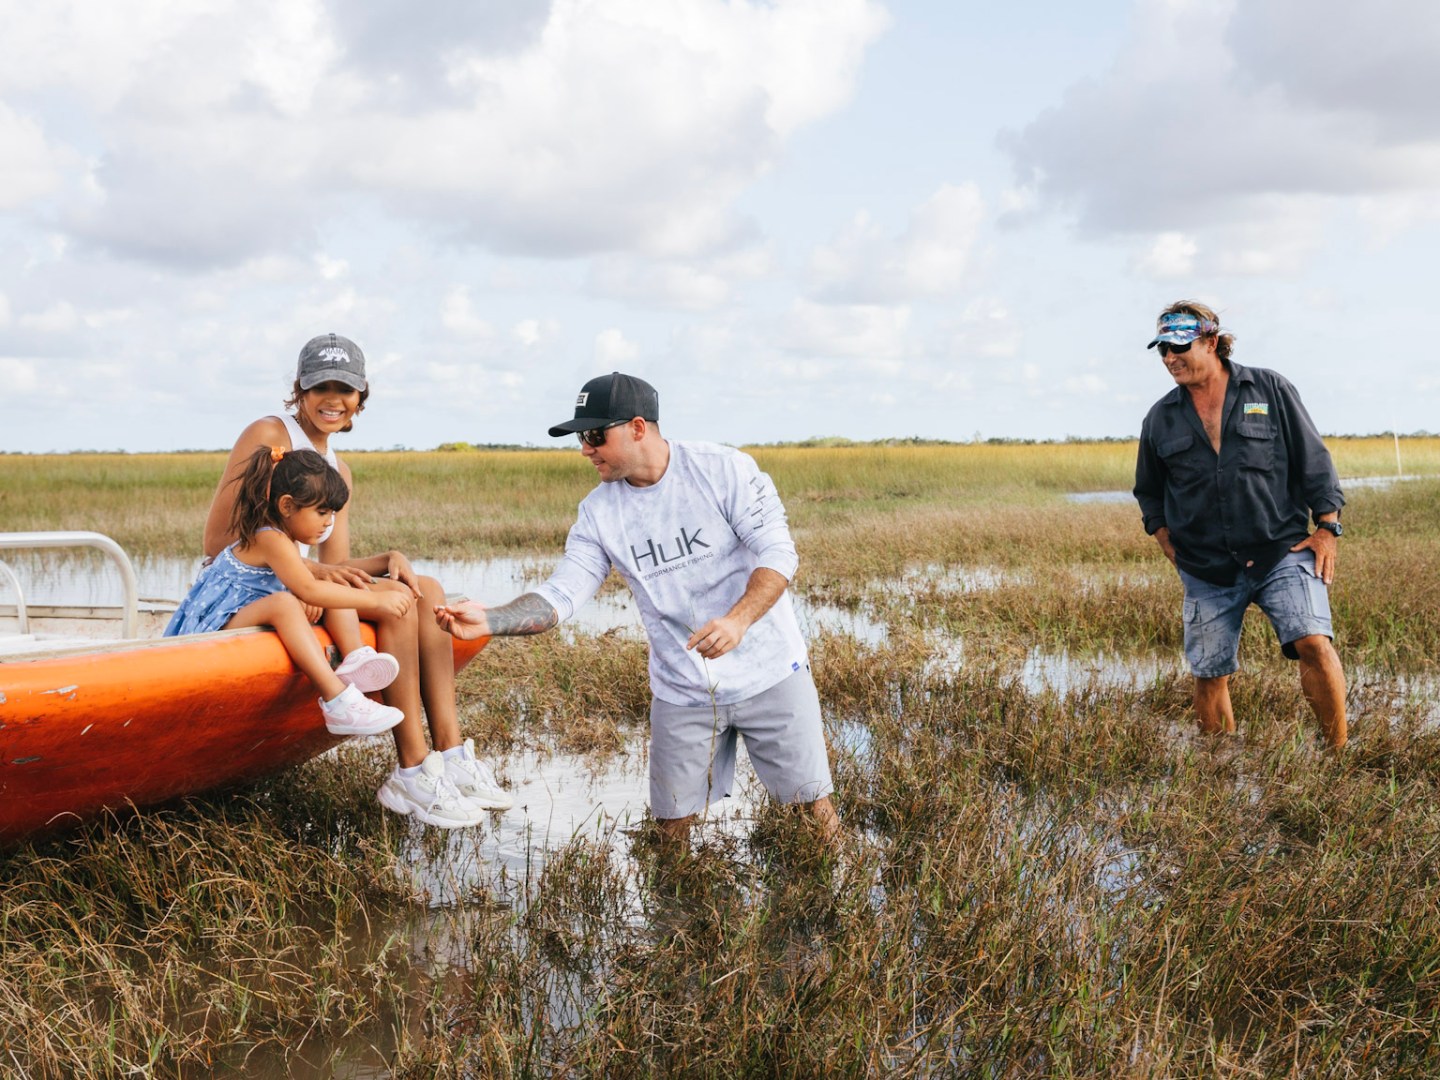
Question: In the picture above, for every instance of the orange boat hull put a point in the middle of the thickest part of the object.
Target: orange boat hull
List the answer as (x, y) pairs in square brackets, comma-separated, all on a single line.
[(140, 723)]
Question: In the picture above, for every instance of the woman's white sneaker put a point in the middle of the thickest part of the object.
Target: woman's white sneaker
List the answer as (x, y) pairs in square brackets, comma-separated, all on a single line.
[(474, 778), (430, 796), (368, 670), (352, 713)]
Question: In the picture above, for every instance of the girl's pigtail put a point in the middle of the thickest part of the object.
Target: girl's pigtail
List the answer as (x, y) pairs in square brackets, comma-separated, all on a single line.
[(252, 494)]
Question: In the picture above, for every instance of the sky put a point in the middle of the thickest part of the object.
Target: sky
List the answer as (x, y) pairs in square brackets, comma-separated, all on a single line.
[(796, 218)]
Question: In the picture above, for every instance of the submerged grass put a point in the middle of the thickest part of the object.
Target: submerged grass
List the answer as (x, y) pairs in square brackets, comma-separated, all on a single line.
[(1034, 881)]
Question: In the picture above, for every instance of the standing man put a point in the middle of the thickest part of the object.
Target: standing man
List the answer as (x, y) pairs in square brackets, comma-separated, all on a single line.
[(699, 534), (1229, 474)]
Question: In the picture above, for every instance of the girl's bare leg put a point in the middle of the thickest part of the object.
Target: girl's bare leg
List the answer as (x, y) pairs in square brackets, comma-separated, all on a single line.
[(286, 614), (344, 627)]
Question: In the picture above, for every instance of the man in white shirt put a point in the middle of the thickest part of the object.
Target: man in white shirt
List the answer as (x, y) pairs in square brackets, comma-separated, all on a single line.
[(699, 534)]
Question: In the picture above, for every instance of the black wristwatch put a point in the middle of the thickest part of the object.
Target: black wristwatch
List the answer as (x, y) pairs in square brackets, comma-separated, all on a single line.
[(1332, 527)]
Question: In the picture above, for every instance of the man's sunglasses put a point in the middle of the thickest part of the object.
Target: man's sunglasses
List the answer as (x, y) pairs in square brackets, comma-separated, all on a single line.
[(596, 436), (1166, 348)]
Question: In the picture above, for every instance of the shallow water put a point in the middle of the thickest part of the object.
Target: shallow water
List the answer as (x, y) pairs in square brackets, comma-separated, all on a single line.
[(78, 579)]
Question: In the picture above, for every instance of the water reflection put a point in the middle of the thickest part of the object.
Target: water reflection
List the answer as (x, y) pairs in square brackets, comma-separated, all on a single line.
[(559, 798)]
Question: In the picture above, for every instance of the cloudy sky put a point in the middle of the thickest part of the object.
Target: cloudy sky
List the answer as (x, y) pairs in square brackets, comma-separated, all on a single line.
[(797, 218)]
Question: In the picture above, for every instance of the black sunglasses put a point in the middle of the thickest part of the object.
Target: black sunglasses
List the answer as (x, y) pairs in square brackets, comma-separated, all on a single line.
[(596, 436), (1166, 348)]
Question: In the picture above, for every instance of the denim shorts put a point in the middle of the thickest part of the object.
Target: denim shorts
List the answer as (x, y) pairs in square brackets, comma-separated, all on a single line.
[(1296, 602), (692, 748)]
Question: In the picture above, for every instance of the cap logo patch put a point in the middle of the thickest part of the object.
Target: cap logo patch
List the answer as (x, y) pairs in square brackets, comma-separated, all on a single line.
[(335, 355), (1257, 408), (584, 397)]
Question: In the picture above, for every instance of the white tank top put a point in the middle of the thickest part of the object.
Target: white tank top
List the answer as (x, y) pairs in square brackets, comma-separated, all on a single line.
[(299, 440)]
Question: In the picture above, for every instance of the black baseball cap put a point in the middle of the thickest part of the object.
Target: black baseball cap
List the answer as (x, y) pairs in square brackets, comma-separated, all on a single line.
[(611, 397)]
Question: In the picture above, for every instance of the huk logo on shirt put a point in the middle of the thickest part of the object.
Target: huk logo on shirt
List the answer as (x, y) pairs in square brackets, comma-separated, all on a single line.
[(1257, 408), (683, 545)]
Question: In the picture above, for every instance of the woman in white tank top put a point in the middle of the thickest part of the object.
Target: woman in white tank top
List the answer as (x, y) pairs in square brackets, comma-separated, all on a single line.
[(330, 390)]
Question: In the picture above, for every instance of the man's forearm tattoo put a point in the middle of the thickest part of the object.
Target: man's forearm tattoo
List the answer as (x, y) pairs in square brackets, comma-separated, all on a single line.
[(528, 614)]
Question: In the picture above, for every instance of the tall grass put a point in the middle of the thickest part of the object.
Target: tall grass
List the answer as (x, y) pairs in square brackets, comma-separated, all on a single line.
[(1034, 882), (482, 503)]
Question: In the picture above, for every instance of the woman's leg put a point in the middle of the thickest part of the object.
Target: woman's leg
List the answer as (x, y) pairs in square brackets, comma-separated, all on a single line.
[(401, 639), (425, 686), (437, 669), (287, 615)]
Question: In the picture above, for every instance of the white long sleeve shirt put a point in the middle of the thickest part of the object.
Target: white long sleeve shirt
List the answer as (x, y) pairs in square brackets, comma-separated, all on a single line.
[(687, 546)]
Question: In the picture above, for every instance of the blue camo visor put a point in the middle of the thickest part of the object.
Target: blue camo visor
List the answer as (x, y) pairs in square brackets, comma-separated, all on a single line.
[(1181, 328)]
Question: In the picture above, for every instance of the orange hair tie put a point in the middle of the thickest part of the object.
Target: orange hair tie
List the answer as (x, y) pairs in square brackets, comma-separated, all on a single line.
[(276, 454)]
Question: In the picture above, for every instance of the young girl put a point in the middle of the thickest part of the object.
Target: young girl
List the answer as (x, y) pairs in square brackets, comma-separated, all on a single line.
[(284, 498)]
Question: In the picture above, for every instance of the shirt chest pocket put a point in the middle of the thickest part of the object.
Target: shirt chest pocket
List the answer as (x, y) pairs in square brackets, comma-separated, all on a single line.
[(1255, 447), (1182, 456)]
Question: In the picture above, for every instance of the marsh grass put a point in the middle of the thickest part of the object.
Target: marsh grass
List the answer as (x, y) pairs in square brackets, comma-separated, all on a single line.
[(1034, 882)]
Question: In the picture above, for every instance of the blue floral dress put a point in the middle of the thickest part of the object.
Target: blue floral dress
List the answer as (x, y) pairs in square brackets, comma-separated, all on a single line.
[(222, 589)]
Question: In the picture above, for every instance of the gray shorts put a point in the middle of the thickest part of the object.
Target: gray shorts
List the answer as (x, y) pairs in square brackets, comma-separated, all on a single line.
[(1296, 602), (692, 748)]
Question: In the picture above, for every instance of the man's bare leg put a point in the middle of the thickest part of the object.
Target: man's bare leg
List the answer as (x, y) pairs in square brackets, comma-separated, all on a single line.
[(1212, 706), (675, 832), (1322, 680), (675, 835), (825, 820)]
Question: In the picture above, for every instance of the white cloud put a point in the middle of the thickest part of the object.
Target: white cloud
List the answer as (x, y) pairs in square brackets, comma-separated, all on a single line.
[(872, 336), (1172, 255), (607, 125), (1087, 385), (658, 284), (18, 376), (533, 332), (984, 329), (1219, 114), (30, 167), (613, 349), (930, 258), (59, 318), (458, 315)]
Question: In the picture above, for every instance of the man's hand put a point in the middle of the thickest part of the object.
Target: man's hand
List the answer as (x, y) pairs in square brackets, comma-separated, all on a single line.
[(718, 636), (1162, 537), (1326, 548), (465, 621)]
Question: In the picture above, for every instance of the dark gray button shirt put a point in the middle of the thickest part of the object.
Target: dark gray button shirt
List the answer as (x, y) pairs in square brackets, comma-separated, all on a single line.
[(1251, 502)]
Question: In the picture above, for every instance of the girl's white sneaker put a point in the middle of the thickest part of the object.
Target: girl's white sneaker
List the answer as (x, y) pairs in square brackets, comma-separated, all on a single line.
[(368, 670), (352, 713)]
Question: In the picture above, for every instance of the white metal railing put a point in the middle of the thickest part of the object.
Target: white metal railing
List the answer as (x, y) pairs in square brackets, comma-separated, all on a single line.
[(30, 540)]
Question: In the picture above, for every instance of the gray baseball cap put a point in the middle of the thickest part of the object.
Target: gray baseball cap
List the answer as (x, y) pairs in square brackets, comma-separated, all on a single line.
[(331, 358)]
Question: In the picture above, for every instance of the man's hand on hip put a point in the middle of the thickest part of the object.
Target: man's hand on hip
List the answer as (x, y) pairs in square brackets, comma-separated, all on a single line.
[(1162, 537), (1326, 548)]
